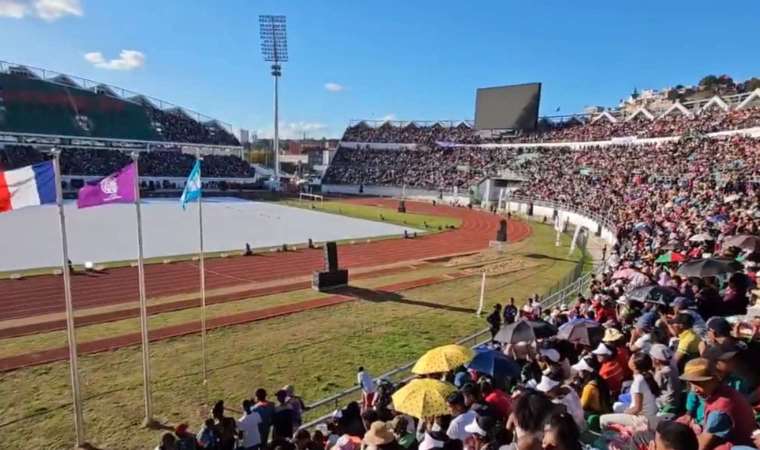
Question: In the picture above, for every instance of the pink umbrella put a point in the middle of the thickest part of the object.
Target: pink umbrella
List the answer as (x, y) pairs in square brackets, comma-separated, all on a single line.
[(627, 274)]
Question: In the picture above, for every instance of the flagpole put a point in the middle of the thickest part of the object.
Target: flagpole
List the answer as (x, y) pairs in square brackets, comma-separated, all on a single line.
[(70, 332), (148, 421), (203, 276)]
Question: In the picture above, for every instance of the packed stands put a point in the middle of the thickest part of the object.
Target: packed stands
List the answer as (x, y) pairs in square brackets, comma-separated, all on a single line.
[(62, 107), (599, 128), (672, 357), (101, 162)]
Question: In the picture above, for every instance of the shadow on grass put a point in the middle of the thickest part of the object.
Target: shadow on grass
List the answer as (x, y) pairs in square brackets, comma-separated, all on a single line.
[(554, 258), (379, 296)]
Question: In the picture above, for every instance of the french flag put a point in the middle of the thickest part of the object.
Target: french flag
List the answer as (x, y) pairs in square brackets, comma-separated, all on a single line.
[(27, 186)]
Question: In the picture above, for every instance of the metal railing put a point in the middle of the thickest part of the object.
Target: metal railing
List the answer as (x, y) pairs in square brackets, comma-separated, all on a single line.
[(401, 374), (569, 287)]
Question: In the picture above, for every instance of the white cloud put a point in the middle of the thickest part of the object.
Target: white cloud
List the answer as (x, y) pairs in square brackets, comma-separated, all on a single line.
[(296, 130), (389, 116), (12, 9), (48, 10), (127, 60), (334, 87)]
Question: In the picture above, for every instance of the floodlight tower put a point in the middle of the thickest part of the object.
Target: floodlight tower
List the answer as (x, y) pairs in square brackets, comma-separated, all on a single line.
[(274, 48)]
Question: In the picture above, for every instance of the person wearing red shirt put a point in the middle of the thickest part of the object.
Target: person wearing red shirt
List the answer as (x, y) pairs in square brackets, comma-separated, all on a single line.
[(610, 371), (496, 398)]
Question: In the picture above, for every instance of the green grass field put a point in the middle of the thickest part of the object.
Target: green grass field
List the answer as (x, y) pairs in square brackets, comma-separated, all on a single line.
[(419, 221), (317, 351)]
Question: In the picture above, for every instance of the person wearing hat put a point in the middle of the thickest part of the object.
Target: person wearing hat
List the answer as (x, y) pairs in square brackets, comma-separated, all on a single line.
[(666, 377), (729, 419), (552, 386), (379, 436), (610, 369), (484, 434), (688, 341), (616, 341), (461, 416)]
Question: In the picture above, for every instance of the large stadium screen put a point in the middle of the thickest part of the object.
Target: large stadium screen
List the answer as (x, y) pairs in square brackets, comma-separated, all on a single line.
[(507, 107)]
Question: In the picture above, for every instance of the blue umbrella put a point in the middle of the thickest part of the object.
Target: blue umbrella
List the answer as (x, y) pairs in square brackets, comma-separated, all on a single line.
[(494, 363)]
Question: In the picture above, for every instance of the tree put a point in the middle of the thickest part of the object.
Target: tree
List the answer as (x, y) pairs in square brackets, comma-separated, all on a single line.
[(708, 81), (725, 80), (752, 84)]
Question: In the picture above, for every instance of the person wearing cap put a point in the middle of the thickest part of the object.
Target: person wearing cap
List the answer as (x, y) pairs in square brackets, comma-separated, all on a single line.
[(718, 332), (666, 377), (461, 416), (729, 419), (379, 436), (595, 395), (688, 341), (724, 357), (610, 369), (484, 434), (552, 386), (295, 403)]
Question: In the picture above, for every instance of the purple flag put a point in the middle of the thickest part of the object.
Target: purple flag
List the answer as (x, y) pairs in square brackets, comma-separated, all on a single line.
[(118, 187)]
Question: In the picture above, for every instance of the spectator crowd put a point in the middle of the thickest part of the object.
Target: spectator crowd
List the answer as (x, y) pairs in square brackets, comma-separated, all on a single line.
[(100, 162), (580, 130), (661, 353), (176, 126)]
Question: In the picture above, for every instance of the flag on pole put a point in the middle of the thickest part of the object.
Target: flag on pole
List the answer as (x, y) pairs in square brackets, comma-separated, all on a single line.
[(27, 186), (119, 187), (193, 186)]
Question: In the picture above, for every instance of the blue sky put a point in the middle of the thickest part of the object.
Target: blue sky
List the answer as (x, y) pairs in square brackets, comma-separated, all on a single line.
[(403, 59)]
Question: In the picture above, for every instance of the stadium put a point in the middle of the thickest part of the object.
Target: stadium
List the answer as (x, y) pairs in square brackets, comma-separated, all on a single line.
[(521, 280)]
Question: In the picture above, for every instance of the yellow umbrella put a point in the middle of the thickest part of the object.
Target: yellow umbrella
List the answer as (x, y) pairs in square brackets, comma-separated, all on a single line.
[(424, 397), (443, 359)]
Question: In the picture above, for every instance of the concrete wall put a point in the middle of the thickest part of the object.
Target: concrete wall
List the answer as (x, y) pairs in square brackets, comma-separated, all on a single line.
[(574, 218)]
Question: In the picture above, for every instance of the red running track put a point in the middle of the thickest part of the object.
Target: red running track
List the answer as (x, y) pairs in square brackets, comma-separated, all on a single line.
[(40, 295)]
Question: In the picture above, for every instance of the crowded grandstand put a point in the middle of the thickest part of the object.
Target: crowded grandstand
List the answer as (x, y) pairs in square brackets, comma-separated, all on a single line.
[(659, 349)]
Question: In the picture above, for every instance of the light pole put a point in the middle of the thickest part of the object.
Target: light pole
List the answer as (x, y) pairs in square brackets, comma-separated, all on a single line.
[(274, 48)]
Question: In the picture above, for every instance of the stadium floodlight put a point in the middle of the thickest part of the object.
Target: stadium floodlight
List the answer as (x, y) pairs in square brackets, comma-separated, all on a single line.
[(274, 48)]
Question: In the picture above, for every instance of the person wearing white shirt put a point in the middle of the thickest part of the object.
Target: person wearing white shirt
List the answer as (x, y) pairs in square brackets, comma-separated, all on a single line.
[(367, 384), (249, 426), (461, 417), (644, 393)]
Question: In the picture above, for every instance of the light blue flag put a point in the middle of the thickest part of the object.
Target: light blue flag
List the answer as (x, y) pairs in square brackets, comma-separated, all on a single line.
[(192, 190)]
